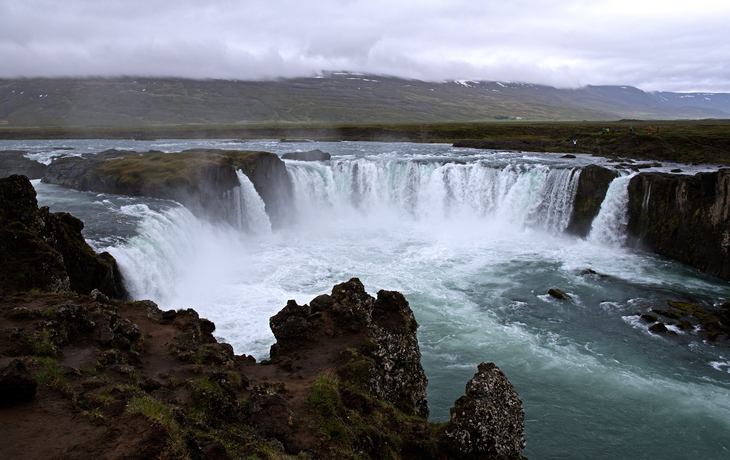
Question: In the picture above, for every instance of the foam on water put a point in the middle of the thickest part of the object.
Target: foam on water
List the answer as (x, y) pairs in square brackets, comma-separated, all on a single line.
[(474, 241)]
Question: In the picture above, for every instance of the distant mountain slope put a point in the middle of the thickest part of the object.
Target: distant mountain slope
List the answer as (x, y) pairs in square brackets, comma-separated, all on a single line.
[(337, 97), (717, 101)]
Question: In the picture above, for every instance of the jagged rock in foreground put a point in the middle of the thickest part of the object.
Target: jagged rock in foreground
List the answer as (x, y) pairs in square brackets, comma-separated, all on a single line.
[(489, 418), (126, 380), (106, 379), (46, 251), (387, 360), (685, 218)]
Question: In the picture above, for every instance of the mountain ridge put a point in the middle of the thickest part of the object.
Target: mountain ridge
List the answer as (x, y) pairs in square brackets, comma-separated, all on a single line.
[(334, 97)]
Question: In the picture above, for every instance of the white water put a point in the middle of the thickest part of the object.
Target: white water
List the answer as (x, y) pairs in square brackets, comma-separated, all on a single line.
[(436, 193), (609, 226), (248, 207), (474, 241)]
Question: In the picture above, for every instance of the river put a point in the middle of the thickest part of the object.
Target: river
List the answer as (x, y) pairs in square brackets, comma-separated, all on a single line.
[(474, 240)]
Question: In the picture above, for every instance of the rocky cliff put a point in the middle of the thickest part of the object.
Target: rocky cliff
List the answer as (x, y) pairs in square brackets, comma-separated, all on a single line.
[(685, 218), (15, 162), (109, 380), (46, 251), (593, 184), (199, 179)]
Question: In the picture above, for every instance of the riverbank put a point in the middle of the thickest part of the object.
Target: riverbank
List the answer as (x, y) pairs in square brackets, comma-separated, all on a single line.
[(684, 141)]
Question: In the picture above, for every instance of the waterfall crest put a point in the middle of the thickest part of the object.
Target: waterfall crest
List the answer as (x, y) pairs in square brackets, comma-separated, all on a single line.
[(533, 196)]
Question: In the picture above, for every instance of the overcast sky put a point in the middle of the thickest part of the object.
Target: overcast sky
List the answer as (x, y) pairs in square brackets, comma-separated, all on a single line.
[(654, 45)]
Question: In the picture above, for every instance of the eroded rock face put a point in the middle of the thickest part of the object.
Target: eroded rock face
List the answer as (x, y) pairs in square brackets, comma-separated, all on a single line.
[(383, 331), (46, 251), (488, 421), (15, 162), (686, 218), (312, 155), (200, 179), (593, 184), (271, 180)]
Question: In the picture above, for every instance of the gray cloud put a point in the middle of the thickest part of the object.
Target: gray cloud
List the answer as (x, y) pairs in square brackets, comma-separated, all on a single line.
[(667, 45)]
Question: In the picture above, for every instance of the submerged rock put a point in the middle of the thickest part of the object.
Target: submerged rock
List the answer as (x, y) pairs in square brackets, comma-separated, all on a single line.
[(558, 294), (488, 421), (711, 325)]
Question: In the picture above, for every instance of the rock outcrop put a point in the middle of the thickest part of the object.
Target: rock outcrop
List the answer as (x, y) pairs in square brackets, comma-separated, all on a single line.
[(593, 184), (15, 162), (73, 363), (46, 251), (199, 179), (488, 421), (272, 182), (387, 360), (344, 379), (685, 218), (311, 155)]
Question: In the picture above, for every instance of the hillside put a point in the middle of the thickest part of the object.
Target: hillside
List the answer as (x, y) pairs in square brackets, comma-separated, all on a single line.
[(338, 97)]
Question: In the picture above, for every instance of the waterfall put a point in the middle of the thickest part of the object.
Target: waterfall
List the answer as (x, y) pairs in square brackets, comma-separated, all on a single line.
[(534, 196), (248, 211), (609, 226)]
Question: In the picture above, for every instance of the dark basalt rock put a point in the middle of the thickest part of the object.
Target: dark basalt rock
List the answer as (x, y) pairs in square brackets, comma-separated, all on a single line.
[(713, 325), (648, 318), (15, 162), (16, 384), (199, 179), (592, 187), (312, 155), (272, 416), (383, 328), (488, 421), (558, 294), (685, 218), (658, 328), (46, 251)]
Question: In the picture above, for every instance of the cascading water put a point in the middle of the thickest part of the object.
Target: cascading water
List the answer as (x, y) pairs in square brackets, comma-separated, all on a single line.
[(525, 196), (609, 226), (473, 240), (248, 208)]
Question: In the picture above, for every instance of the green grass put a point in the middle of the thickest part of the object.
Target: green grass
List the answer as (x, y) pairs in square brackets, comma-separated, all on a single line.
[(155, 409), (49, 373), (324, 402)]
